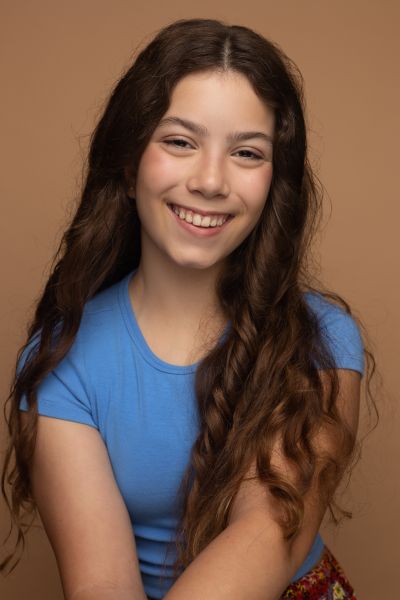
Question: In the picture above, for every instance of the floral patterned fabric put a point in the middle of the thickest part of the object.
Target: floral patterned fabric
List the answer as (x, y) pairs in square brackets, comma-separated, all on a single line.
[(326, 581)]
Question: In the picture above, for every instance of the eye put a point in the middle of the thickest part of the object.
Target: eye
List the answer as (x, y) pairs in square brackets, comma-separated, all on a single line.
[(253, 155), (177, 143)]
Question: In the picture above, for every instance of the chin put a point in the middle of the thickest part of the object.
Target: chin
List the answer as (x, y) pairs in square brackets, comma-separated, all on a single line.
[(196, 265), (200, 265)]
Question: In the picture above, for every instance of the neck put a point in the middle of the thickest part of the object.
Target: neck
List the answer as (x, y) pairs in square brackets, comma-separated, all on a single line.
[(181, 299)]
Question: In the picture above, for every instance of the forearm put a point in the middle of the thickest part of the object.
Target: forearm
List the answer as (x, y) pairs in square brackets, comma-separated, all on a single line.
[(108, 593), (246, 561)]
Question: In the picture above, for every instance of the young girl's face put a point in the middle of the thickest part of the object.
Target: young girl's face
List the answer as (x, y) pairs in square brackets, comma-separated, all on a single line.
[(210, 158)]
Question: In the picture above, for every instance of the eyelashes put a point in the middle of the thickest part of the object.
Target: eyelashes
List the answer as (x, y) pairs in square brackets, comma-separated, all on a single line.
[(175, 142), (253, 155)]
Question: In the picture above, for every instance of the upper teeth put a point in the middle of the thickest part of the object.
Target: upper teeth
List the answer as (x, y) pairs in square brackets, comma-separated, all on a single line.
[(202, 221)]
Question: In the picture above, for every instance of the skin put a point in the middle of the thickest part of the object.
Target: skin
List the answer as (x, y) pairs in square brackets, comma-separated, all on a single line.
[(208, 172)]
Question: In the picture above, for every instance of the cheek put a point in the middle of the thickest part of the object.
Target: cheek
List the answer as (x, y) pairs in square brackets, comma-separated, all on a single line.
[(255, 187), (155, 170)]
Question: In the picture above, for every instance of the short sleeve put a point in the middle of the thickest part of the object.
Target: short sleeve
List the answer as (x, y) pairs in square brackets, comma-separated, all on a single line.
[(341, 333), (63, 393)]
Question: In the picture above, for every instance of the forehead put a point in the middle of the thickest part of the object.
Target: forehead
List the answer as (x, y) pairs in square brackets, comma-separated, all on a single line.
[(220, 97)]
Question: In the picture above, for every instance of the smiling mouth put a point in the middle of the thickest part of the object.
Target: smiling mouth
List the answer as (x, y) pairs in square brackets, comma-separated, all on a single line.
[(201, 221), (202, 213), (196, 226)]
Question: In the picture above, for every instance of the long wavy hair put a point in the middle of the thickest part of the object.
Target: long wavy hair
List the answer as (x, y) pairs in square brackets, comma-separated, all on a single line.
[(261, 382)]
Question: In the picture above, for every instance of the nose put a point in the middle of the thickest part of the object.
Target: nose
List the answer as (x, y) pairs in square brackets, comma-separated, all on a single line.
[(208, 178)]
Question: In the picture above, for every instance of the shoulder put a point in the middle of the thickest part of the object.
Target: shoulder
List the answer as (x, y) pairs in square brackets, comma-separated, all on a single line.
[(340, 331), (100, 315), (99, 322), (73, 388)]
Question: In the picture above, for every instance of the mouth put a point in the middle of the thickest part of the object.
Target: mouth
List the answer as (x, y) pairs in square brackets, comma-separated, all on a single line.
[(196, 216), (203, 213), (198, 229)]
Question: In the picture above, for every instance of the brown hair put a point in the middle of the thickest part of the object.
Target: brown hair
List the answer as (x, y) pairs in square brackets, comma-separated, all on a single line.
[(262, 380)]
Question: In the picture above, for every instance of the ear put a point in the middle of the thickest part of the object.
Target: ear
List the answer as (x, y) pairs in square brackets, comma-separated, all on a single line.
[(130, 182)]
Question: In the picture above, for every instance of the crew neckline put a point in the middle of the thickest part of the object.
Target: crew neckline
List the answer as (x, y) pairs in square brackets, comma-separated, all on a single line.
[(138, 337)]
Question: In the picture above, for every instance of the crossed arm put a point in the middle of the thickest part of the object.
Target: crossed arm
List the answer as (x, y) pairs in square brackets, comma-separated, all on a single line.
[(250, 560), (89, 529)]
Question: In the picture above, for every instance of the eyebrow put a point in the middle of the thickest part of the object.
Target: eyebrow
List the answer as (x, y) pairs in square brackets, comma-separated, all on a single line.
[(236, 136)]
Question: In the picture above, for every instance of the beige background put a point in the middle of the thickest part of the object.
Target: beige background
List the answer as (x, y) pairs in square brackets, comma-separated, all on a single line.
[(59, 61)]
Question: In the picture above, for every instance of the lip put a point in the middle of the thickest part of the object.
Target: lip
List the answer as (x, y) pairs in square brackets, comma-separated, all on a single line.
[(199, 231), (204, 213)]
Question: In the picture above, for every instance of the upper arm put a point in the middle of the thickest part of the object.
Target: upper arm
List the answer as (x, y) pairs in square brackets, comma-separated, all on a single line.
[(81, 508), (253, 498)]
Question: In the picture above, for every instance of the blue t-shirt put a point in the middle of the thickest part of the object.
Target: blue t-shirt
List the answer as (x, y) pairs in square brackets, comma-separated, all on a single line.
[(146, 412)]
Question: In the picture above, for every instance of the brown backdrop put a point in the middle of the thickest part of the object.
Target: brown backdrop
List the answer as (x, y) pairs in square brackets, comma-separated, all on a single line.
[(59, 60)]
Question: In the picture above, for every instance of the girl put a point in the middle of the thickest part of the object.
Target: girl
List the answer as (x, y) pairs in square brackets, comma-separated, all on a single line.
[(187, 400)]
